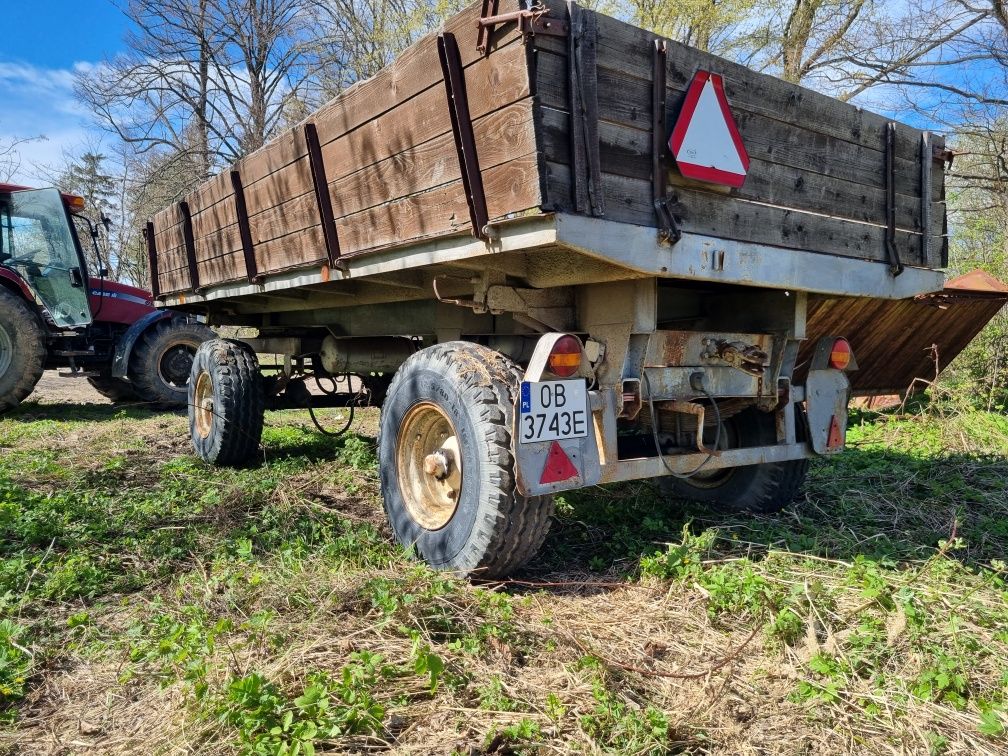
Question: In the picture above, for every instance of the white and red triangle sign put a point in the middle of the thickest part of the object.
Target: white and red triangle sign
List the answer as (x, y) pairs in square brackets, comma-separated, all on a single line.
[(706, 140)]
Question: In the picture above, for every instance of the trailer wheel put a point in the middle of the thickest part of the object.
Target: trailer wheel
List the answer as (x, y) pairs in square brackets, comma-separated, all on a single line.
[(226, 403), (766, 488), (115, 389), (162, 360), (447, 473), (22, 350)]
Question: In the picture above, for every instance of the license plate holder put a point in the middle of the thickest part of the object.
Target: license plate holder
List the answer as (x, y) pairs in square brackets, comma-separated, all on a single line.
[(553, 411)]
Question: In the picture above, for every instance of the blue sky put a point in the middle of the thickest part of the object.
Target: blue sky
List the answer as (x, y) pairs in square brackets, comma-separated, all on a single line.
[(42, 43)]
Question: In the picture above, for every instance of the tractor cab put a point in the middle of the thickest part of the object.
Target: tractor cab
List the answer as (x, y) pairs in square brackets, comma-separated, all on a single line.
[(39, 245)]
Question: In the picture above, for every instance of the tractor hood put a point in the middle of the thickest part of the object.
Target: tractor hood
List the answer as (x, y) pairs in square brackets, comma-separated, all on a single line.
[(113, 302)]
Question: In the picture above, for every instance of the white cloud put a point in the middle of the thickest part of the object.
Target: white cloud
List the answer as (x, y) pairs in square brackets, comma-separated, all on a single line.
[(39, 102)]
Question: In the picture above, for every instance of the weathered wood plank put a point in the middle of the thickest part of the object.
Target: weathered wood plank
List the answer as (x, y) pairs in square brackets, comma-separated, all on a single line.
[(510, 188), (501, 137), (492, 83), (627, 48), (712, 214), (627, 152), (626, 100), (416, 69), (295, 250)]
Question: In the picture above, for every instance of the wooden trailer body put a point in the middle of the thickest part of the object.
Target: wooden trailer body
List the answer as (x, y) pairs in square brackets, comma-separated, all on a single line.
[(453, 142), (511, 241)]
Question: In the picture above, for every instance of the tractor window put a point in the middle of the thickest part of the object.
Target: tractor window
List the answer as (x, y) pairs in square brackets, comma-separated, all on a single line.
[(38, 244)]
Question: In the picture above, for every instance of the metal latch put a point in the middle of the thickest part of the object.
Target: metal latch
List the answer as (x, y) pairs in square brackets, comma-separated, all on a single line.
[(745, 357), (530, 22)]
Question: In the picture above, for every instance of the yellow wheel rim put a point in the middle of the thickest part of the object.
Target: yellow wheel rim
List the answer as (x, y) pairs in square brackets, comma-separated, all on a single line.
[(429, 465), (203, 410)]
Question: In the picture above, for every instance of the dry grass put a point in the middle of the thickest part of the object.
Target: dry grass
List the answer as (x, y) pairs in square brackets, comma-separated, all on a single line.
[(806, 633)]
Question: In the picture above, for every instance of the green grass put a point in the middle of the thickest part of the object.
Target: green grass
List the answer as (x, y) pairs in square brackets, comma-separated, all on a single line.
[(266, 610)]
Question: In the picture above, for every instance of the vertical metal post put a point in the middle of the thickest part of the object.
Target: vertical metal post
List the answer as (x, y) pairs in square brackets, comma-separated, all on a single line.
[(244, 230), (926, 158), (190, 245), (462, 128), (895, 264), (152, 261), (322, 196), (668, 227)]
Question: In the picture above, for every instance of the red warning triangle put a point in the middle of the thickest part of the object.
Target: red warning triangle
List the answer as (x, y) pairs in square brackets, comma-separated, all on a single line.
[(558, 466), (836, 438), (706, 140)]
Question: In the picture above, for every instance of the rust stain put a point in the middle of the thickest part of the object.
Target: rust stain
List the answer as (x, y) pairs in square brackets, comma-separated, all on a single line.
[(894, 341), (674, 348)]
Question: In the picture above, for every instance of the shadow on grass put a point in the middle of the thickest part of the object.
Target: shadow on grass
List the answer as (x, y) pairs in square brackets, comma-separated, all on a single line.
[(882, 505), (30, 412)]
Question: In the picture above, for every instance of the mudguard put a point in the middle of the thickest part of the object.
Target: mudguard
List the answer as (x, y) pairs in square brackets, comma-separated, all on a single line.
[(124, 347)]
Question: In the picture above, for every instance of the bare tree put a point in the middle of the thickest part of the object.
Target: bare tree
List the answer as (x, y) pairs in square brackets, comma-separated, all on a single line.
[(712, 25), (208, 78), (10, 156), (354, 39), (846, 47)]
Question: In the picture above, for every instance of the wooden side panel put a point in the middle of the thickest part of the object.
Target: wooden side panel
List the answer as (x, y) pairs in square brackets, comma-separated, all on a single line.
[(173, 268), (390, 160), (817, 164)]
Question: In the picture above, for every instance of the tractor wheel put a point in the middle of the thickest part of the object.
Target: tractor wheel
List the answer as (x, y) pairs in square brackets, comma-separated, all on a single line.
[(162, 360), (226, 403), (765, 488), (22, 349), (118, 390), (447, 473)]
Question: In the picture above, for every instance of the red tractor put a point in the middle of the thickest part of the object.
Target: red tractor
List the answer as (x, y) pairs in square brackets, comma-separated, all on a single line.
[(53, 314)]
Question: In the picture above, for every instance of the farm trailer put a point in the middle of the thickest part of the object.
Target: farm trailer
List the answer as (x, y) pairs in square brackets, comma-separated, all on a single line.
[(558, 251)]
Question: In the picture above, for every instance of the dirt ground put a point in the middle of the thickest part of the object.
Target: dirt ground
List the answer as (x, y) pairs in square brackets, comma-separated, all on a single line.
[(55, 390)]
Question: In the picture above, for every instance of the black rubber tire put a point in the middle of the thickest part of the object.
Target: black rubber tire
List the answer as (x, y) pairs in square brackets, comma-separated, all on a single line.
[(145, 372), (118, 390), (494, 529), (766, 488), (239, 403), (26, 334)]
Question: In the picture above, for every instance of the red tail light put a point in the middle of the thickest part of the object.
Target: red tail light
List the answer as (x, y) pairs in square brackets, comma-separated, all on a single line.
[(840, 354), (565, 357)]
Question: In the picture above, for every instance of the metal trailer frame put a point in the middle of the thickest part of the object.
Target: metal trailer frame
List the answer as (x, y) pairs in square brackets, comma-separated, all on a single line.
[(636, 250), (616, 289)]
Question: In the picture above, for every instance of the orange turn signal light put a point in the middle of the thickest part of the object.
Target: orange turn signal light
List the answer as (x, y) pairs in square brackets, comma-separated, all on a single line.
[(840, 354), (565, 357), (74, 203)]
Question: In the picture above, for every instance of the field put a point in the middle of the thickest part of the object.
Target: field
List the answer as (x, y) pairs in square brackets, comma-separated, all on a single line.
[(149, 604)]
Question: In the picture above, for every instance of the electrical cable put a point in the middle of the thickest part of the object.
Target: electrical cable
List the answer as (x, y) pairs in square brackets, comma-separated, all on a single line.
[(323, 431), (654, 432)]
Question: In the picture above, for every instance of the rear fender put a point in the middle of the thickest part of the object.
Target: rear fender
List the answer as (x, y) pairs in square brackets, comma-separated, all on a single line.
[(14, 281), (124, 347)]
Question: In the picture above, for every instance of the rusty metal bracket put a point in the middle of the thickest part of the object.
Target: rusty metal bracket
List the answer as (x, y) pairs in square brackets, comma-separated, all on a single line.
[(669, 230), (490, 8), (945, 155), (152, 261), (462, 129), (244, 229), (322, 197), (530, 23), (895, 264), (698, 411), (190, 245)]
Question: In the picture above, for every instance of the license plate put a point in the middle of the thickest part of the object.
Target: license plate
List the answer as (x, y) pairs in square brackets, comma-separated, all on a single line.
[(553, 411)]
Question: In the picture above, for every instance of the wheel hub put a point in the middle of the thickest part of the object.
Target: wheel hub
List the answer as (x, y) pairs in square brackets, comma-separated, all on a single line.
[(175, 364), (429, 465), (203, 409)]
